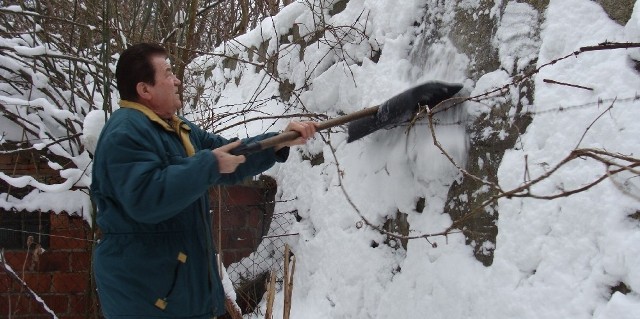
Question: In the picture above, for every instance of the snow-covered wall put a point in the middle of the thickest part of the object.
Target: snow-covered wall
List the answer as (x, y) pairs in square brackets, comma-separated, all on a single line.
[(570, 257)]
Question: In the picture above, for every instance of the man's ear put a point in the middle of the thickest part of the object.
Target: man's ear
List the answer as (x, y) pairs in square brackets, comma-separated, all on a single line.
[(143, 91)]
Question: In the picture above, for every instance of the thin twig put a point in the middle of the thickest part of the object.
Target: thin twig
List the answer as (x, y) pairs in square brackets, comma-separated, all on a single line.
[(23, 285), (594, 121), (567, 84), (610, 46)]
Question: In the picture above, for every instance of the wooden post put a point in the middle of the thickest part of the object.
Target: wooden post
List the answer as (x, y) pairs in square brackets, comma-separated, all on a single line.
[(271, 293), (288, 281)]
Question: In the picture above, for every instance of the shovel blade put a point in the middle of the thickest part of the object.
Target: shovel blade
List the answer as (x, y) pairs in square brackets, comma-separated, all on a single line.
[(402, 107)]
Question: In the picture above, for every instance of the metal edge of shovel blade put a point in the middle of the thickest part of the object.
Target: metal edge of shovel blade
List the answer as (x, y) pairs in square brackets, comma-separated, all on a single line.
[(402, 107)]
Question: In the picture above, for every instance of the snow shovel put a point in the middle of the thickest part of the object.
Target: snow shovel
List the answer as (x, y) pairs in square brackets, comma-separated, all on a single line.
[(397, 110)]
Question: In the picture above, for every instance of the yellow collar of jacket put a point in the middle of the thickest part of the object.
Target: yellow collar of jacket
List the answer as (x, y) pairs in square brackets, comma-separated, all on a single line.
[(177, 125)]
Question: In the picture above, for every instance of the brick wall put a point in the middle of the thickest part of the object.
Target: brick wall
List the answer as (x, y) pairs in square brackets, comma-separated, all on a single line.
[(61, 275)]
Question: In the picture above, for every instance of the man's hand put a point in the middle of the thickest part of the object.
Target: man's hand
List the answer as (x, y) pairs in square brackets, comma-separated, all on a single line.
[(227, 163), (306, 130)]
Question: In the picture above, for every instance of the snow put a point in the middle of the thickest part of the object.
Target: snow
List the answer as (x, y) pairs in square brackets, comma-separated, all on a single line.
[(14, 8), (516, 36), (39, 50), (75, 201), (552, 259), (93, 123), (632, 31), (42, 104)]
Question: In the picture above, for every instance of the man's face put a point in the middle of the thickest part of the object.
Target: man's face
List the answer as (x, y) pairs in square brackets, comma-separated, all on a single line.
[(164, 95)]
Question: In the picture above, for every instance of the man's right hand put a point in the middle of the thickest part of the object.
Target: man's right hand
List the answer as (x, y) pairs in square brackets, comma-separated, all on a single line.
[(227, 163)]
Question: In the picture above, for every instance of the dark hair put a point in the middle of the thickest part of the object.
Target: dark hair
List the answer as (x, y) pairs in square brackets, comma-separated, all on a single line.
[(135, 66)]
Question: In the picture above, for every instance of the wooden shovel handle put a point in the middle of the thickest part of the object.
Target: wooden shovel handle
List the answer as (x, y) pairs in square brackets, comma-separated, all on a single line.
[(288, 136)]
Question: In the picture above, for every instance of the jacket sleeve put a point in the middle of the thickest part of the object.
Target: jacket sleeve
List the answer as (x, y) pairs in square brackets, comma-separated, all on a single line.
[(256, 163)]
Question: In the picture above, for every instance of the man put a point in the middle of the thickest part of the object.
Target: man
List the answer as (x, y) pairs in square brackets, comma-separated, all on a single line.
[(151, 173)]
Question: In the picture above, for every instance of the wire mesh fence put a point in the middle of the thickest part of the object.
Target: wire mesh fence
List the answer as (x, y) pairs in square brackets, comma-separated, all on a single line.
[(250, 274), (268, 255), (251, 237)]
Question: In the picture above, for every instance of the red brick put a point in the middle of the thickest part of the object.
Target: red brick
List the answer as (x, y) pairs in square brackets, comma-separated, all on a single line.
[(232, 220), (5, 282), (243, 210), (13, 284), (64, 238), (16, 259), (70, 282), (80, 261), (76, 222), (6, 159), (53, 260), (78, 304), (58, 303), (5, 300), (229, 257), (242, 253), (66, 221), (241, 238), (81, 304), (20, 303), (21, 161), (59, 221), (223, 241), (254, 218), (240, 195), (10, 305), (38, 282)]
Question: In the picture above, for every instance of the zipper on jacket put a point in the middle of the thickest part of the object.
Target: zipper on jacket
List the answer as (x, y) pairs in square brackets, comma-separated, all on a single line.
[(162, 302), (210, 251)]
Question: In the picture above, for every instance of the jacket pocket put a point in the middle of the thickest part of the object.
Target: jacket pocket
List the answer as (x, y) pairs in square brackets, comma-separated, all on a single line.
[(163, 301), (133, 271)]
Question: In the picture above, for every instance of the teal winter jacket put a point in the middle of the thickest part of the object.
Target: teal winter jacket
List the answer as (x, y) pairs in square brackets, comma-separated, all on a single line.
[(156, 257)]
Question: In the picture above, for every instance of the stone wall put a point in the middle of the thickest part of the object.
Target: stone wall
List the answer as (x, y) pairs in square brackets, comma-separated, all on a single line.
[(473, 34)]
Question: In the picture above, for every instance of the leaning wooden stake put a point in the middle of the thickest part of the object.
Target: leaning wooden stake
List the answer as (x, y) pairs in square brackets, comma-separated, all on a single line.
[(271, 293), (288, 281)]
